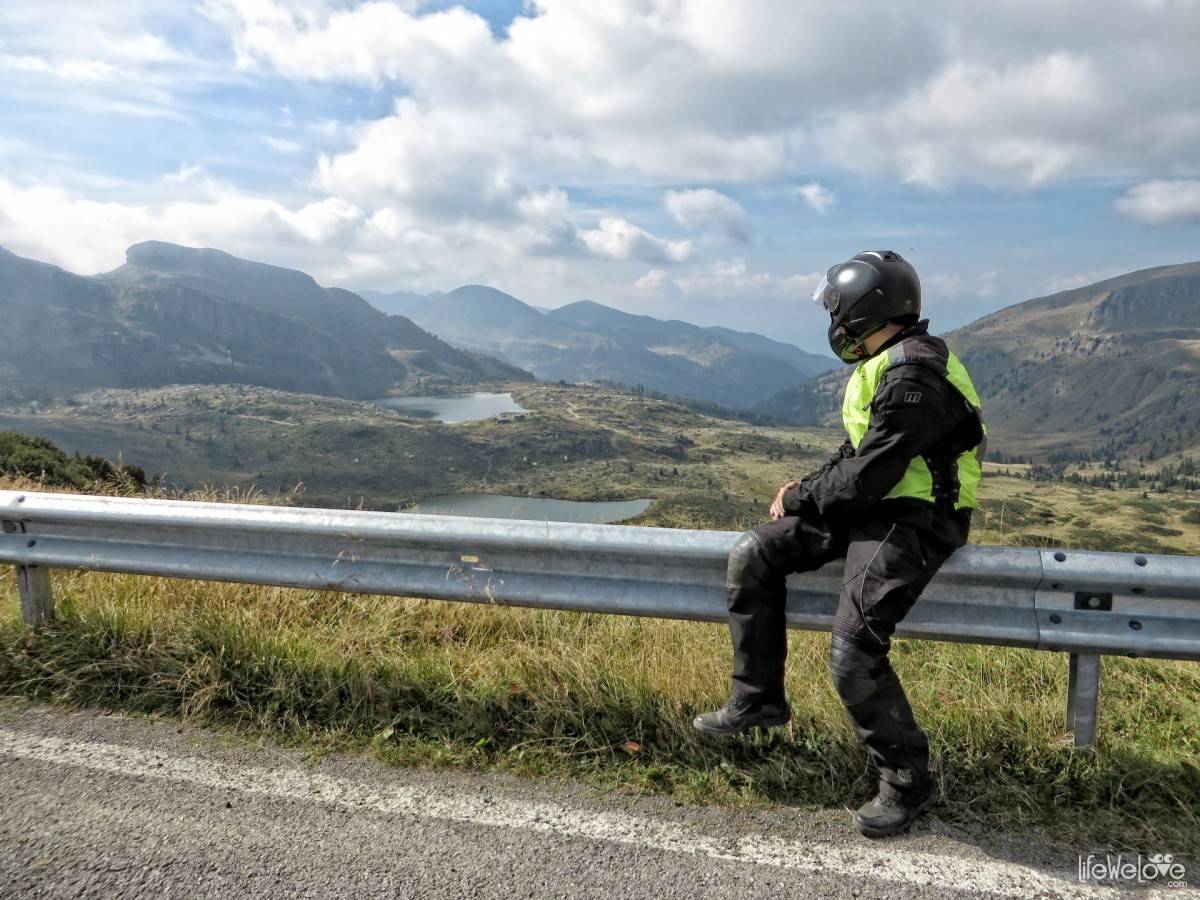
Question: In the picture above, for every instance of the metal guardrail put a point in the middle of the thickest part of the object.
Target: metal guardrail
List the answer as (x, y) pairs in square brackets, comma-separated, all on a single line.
[(1080, 602)]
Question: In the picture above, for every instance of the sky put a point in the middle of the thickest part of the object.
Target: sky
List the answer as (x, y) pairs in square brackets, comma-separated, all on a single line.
[(696, 159)]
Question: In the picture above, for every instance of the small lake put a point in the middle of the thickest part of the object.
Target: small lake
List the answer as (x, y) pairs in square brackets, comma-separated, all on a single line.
[(454, 408), (538, 509)]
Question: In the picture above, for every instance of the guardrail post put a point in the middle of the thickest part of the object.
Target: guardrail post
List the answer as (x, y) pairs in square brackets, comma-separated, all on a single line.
[(1083, 697), (37, 596)]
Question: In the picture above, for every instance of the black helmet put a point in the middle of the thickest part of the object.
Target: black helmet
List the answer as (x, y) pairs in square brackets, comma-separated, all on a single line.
[(863, 295)]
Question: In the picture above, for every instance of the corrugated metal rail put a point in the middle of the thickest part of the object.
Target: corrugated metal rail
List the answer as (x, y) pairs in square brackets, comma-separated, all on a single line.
[(1081, 602)]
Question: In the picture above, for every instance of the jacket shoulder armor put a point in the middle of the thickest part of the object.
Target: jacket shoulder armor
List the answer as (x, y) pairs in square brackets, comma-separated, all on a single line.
[(912, 379), (921, 350)]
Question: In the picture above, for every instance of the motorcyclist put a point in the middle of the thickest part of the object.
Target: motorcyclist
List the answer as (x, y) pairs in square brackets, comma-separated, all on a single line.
[(895, 502)]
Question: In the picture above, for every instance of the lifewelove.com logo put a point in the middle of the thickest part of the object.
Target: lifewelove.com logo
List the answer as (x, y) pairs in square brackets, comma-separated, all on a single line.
[(1159, 869)]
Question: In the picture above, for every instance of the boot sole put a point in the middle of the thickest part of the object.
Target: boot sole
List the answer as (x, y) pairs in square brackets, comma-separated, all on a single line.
[(920, 810), (767, 723)]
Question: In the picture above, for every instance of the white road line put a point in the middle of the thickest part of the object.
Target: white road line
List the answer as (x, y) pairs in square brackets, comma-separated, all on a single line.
[(887, 861)]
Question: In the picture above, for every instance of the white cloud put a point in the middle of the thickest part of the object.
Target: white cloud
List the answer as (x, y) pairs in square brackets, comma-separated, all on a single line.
[(447, 162), (804, 284), (618, 238), (89, 236), (372, 42), (129, 46), (85, 70), (955, 285), (321, 220), (1161, 201), (706, 208), (1007, 123), (111, 58), (654, 283), (89, 41), (544, 206), (188, 172), (336, 241), (731, 278), (673, 92), (652, 90), (283, 145), (67, 69), (816, 195)]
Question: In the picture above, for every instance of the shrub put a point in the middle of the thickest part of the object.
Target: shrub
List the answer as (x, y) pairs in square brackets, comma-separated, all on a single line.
[(39, 458)]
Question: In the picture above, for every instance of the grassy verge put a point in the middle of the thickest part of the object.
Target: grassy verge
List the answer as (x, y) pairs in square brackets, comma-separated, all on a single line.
[(610, 700)]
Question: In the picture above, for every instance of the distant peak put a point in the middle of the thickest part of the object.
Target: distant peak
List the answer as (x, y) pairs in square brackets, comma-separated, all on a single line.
[(203, 261), (149, 253), (481, 292), (161, 255)]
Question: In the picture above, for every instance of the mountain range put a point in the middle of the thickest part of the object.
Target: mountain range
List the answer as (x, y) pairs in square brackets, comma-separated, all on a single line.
[(175, 314), (1111, 369), (180, 315), (588, 341)]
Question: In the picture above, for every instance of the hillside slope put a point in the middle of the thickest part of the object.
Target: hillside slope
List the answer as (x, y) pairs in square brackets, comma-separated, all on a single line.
[(1110, 369), (174, 314)]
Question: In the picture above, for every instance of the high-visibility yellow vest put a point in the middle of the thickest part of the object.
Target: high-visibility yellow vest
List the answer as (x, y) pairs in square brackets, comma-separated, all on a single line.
[(917, 481)]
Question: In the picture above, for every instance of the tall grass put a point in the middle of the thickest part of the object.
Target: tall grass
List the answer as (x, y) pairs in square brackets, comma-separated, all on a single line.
[(610, 700)]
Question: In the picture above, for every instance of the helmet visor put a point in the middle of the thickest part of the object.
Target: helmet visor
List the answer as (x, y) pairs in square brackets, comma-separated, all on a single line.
[(827, 294)]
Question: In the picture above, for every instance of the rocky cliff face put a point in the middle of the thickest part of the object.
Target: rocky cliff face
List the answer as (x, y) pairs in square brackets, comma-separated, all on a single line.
[(1157, 304), (177, 315)]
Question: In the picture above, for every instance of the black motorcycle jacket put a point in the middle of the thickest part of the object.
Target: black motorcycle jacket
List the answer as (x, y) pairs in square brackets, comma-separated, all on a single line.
[(915, 412)]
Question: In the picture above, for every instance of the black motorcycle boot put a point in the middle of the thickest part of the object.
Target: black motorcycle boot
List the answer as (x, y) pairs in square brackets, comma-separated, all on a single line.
[(882, 717), (892, 812), (735, 717)]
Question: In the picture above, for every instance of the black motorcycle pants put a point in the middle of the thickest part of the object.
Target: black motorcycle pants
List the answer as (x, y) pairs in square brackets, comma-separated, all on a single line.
[(888, 564)]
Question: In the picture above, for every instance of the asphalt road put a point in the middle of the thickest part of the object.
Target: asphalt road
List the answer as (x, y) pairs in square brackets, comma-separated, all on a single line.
[(97, 805)]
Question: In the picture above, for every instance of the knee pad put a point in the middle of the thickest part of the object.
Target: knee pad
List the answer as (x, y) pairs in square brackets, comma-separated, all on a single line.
[(747, 562), (856, 672)]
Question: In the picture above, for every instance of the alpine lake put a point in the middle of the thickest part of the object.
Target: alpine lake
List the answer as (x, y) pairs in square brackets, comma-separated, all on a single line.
[(454, 409), (461, 408)]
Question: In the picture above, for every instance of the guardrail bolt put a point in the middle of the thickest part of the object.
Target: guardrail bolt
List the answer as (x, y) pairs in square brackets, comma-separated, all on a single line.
[(1093, 601)]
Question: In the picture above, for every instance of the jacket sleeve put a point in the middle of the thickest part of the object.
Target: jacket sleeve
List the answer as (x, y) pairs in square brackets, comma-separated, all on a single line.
[(843, 452), (910, 413)]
